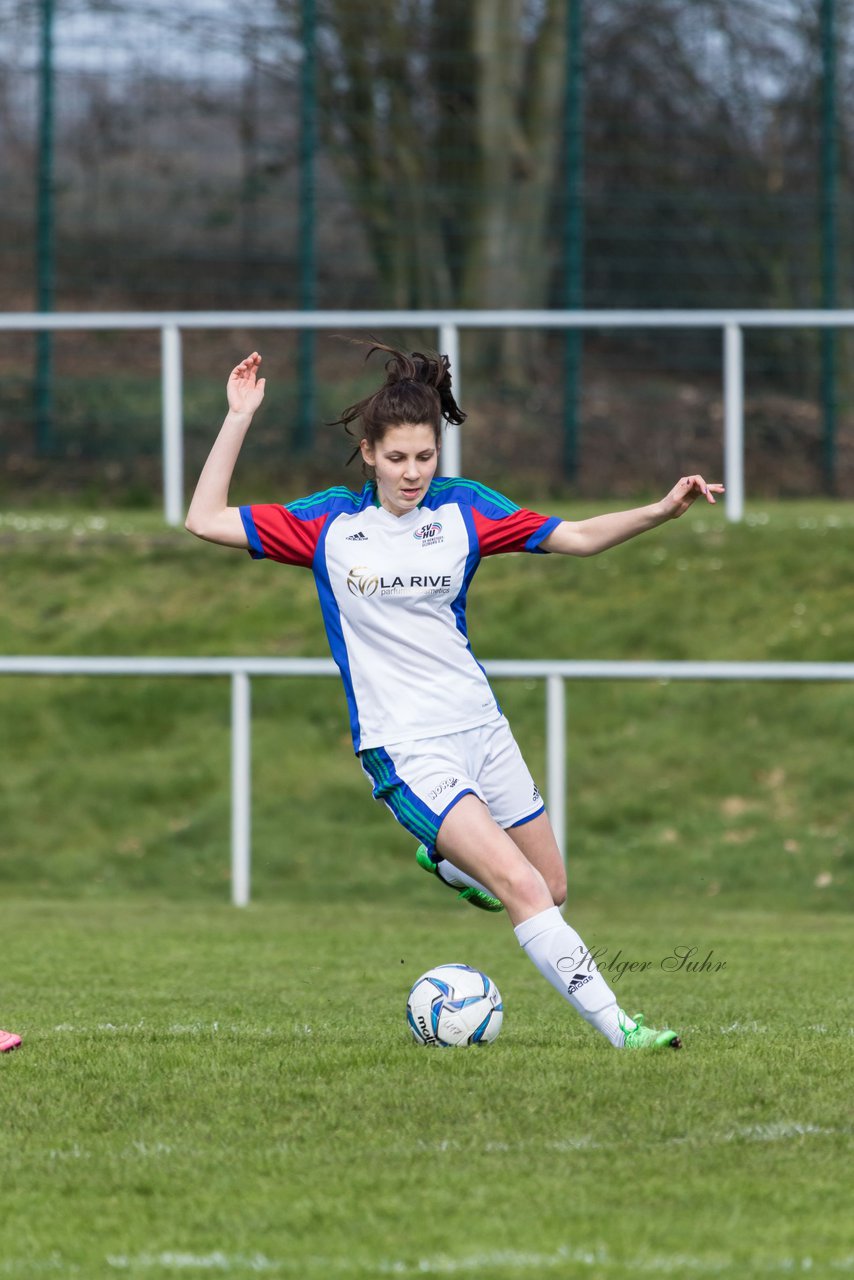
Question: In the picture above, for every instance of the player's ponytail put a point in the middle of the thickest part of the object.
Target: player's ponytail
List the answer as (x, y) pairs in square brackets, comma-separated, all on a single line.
[(417, 389)]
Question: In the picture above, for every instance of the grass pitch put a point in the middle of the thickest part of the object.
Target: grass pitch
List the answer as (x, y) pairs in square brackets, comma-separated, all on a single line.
[(208, 1091)]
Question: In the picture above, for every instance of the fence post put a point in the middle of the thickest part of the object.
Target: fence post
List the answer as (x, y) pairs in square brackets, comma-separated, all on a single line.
[(734, 421), (240, 788), (173, 427), (449, 344), (556, 757)]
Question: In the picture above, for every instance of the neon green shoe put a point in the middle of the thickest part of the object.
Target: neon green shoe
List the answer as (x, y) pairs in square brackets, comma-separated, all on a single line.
[(477, 897), (642, 1037)]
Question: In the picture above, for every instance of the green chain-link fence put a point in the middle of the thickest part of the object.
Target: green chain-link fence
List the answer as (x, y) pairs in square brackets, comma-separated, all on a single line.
[(427, 153)]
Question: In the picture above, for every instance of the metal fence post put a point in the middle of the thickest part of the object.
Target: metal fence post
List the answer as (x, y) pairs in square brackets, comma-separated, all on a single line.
[(173, 427), (450, 463), (734, 421), (240, 788), (556, 757)]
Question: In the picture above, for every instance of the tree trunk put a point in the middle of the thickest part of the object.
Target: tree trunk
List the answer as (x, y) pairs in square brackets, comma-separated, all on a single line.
[(520, 93), (448, 129)]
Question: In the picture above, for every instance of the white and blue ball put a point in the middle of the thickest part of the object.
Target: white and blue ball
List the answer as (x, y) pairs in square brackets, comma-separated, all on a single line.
[(454, 1004)]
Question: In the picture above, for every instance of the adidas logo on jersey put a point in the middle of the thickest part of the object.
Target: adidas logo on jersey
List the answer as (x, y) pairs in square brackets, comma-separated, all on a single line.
[(357, 537)]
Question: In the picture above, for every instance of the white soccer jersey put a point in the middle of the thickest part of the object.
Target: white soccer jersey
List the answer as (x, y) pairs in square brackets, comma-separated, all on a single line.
[(393, 590)]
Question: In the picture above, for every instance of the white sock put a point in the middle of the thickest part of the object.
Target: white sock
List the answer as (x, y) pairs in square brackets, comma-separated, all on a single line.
[(460, 880), (562, 958)]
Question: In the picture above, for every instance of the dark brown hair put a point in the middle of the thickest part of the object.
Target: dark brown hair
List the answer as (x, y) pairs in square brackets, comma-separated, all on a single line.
[(417, 389)]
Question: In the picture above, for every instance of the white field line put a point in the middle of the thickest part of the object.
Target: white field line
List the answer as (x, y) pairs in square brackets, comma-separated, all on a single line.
[(207, 1028), (439, 1265), (136, 1150), (771, 1131), (220, 1262), (176, 1029), (54, 1264)]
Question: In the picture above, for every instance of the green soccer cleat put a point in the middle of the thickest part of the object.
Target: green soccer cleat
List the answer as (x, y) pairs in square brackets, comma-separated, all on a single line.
[(642, 1037), (477, 897)]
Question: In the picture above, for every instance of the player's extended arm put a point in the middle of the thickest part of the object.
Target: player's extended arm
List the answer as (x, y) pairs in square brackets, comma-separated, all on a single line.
[(210, 517), (587, 537)]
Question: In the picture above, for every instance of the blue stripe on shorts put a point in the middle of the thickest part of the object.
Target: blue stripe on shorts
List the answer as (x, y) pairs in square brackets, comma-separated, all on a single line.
[(530, 818), (410, 812)]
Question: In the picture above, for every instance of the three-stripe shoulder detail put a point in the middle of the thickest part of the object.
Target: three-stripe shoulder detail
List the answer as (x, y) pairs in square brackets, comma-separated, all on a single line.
[(337, 499), (460, 489)]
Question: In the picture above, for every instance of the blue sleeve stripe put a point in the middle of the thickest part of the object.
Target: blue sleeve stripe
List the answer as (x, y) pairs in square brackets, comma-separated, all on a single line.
[(548, 526), (255, 549)]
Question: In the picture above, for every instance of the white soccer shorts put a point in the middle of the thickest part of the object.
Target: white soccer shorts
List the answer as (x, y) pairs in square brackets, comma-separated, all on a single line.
[(421, 781)]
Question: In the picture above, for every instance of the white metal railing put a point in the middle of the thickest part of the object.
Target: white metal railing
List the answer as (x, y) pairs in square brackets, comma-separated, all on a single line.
[(555, 674), (448, 325)]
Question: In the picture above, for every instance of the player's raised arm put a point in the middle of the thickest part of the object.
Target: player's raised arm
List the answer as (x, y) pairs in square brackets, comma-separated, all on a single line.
[(210, 517), (588, 537)]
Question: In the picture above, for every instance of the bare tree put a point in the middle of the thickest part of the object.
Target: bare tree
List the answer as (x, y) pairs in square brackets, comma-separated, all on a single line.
[(445, 118)]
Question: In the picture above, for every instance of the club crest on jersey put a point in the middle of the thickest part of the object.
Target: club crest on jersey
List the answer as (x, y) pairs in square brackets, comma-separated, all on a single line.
[(429, 534)]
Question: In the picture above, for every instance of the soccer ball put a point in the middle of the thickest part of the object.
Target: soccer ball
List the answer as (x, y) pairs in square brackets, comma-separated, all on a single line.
[(454, 1004)]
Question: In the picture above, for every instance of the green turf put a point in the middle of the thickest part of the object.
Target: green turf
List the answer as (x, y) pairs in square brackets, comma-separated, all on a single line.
[(209, 1091), (204, 1090)]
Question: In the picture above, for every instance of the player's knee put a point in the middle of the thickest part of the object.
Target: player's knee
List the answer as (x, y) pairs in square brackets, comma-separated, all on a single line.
[(520, 883), (557, 888), (555, 877)]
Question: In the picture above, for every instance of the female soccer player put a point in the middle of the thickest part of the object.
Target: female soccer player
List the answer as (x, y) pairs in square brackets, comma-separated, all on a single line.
[(392, 565)]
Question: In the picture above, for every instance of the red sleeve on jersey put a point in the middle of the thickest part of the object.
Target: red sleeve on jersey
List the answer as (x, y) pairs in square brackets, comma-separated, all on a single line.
[(283, 536), (516, 532)]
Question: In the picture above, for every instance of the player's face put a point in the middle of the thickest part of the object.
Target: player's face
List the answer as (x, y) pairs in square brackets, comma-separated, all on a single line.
[(404, 463)]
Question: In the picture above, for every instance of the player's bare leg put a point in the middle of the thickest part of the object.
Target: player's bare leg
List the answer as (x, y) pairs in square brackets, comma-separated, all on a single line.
[(474, 842), (536, 840)]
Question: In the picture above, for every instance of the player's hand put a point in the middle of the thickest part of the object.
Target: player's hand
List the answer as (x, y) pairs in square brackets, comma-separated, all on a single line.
[(685, 493), (245, 390)]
